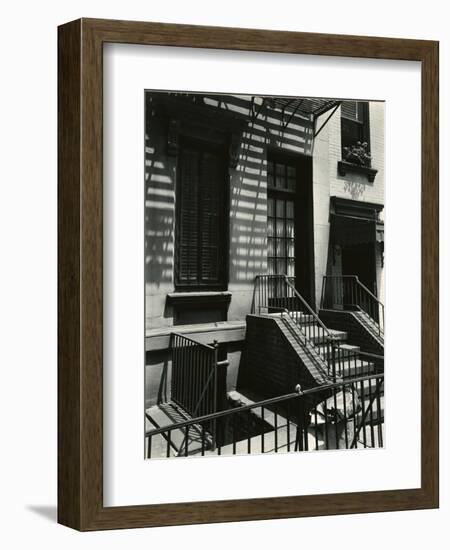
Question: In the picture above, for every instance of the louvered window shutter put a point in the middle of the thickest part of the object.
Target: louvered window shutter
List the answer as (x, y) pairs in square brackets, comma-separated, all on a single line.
[(349, 110), (188, 252), (354, 123), (212, 219), (201, 219)]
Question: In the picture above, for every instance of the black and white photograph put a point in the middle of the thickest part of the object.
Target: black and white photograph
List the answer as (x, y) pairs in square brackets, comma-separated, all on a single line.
[(264, 274)]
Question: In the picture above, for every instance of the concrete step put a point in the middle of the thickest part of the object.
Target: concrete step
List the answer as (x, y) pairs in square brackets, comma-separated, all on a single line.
[(323, 348), (166, 415), (350, 368), (318, 336), (349, 348)]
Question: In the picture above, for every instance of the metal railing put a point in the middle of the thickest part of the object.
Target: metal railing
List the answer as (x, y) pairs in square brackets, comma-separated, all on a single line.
[(277, 294), (348, 363), (347, 292), (194, 376), (341, 415)]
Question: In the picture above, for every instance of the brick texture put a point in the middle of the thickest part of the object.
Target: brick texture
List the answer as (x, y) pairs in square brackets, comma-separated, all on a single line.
[(358, 334), (273, 362)]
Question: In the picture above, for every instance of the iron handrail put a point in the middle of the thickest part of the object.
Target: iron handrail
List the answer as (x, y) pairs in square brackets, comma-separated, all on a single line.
[(354, 278), (308, 307), (181, 335), (263, 403), (302, 300), (199, 363), (371, 294)]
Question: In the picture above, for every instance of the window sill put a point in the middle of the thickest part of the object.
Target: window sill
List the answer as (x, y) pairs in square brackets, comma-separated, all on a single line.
[(344, 167), (223, 331), (198, 297)]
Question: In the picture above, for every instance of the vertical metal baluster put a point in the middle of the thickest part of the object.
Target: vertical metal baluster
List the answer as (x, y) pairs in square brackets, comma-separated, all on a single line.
[(372, 434), (201, 383), (300, 436), (186, 438), (258, 295), (214, 389), (181, 360), (190, 385), (344, 394), (336, 427), (315, 429), (262, 429), (195, 384), (188, 378), (173, 383), (288, 425), (354, 412), (265, 290), (203, 436), (169, 433), (185, 367), (233, 429), (276, 431), (380, 420), (363, 413), (249, 429), (193, 391)]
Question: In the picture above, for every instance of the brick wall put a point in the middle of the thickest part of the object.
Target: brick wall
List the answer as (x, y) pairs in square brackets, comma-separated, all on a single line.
[(358, 334), (272, 363)]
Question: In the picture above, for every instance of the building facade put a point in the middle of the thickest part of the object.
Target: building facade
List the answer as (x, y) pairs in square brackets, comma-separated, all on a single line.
[(239, 187)]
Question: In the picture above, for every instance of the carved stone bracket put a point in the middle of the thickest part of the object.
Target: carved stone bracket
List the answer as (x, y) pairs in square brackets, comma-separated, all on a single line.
[(344, 167)]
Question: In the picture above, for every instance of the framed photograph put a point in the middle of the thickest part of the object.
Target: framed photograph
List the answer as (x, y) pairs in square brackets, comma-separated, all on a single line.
[(246, 219)]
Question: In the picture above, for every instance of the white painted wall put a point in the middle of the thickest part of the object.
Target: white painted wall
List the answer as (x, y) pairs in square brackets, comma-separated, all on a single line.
[(327, 183)]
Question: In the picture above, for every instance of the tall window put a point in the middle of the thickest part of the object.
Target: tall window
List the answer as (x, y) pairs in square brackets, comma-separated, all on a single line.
[(202, 215), (281, 183), (354, 123)]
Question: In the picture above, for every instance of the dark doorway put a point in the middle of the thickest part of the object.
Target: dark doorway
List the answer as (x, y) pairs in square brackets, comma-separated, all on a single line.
[(359, 260), (290, 220)]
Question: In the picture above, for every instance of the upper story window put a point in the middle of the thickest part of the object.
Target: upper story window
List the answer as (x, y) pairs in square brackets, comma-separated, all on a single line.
[(201, 217), (355, 123), (355, 132)]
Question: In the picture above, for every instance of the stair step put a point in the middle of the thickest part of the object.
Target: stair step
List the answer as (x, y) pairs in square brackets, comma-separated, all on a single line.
[(321, 338), (349, 347), (298, 316), (348, 368), (345, 347), (165, 415)]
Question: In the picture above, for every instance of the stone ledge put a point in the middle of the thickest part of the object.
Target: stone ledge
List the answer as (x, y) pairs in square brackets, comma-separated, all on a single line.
[(344, 167), (223, 331), (197, 298)]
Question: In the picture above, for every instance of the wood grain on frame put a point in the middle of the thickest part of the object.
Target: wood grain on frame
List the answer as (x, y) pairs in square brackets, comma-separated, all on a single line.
[(80, 404)]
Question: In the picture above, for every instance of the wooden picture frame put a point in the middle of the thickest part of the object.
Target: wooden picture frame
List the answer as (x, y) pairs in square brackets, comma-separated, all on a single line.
[(80, 271)]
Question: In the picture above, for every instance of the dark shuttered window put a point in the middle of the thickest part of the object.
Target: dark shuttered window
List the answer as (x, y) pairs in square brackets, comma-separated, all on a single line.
[(202, 218), (354, 123)]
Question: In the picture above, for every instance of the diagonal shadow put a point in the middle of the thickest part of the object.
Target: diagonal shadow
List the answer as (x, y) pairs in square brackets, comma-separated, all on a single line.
[(47, 512)]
